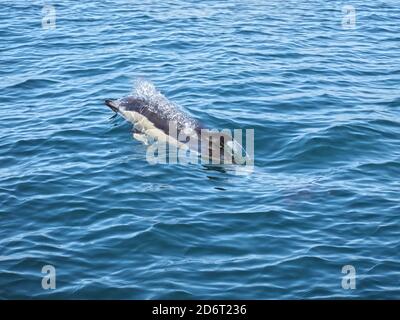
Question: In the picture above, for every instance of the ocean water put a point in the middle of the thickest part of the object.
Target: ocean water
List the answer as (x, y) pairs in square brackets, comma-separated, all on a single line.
[(77, 193)]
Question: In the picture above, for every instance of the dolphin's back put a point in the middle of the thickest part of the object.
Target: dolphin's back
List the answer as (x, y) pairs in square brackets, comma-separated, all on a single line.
[(160, 115)]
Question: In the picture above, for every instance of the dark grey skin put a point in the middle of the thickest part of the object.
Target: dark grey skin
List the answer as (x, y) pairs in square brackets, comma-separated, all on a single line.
[(161, 120)]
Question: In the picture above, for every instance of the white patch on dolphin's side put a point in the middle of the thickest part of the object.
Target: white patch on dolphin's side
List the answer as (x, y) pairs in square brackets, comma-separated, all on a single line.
[(142, 138), (147, 128)]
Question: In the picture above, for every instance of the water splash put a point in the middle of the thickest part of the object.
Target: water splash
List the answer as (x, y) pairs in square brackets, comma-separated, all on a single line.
[(157, 102)]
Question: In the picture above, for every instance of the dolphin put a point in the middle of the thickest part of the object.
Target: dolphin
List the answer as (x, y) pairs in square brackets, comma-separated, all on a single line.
[(153, 120), (157, 121)]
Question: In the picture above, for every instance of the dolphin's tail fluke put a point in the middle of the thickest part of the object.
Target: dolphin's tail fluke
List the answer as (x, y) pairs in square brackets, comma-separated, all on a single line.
[(112, 104)]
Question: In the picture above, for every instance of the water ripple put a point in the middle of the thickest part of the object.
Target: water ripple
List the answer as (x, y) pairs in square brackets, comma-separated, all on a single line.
[(76, 191)]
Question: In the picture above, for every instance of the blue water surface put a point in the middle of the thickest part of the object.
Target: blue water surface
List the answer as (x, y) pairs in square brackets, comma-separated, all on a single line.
[(76, 190)]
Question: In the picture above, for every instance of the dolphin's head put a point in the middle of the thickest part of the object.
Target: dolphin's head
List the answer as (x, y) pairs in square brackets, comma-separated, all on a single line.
[(112, 104), (126, 103)]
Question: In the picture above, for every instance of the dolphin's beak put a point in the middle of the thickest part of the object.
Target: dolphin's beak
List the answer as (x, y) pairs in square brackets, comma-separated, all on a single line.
[(112, 104)]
